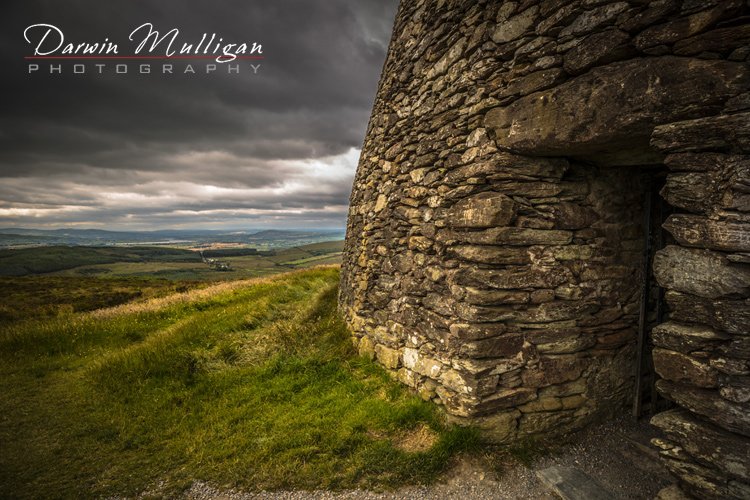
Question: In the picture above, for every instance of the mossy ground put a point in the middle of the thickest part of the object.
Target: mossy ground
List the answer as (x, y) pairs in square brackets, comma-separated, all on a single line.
[(251, 386)]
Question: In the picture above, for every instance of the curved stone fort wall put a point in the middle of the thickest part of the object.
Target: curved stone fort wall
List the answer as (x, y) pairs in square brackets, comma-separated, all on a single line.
[(495, 254)]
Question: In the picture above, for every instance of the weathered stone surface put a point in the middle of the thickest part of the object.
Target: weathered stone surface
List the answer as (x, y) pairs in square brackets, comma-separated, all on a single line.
[(534, 423), (709, 404), (504, 346), (730, 133), (366, 347), (719, 40), (508, 165), (486, 209), (701, 481), (596, 50), (571, 483), (656, 12), (499, 428), (616, 106), (732, 316), (519, 278), (505, 399), (686, 338), (589, 20), (701, 232), (700, 272), (707, 442), (481, 297), (491, 254), (464, 331), (448, 59), (672, 492), (556, 342), (515, 236), (539, 80), (495, 242), (684, 27), (390, 358), (573, 216), (693, 191), (552, 370), (735, 389), (516, 26), (679, 367)]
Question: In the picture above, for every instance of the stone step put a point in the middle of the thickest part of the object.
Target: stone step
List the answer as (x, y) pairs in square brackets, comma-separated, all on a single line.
[(571, 483)]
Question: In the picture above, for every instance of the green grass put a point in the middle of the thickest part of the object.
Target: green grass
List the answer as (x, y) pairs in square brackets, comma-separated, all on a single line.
[(163, 262), (308, 260), (47, 259), (48, 296), (253, 386)]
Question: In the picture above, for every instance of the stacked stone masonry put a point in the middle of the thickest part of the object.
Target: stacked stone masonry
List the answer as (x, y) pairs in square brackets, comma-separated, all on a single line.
[(495, 240)]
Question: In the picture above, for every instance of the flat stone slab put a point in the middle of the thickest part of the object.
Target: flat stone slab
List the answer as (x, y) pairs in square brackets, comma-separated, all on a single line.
[(572, 484)]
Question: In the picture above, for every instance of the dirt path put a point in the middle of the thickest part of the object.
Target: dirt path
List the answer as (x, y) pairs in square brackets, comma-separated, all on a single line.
[(609, 453)]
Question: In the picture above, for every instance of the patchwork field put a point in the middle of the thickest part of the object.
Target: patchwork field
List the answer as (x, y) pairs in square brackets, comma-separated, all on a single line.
[(164, 262)]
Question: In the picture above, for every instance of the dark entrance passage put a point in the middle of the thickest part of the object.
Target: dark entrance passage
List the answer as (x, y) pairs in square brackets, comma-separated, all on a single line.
[(646, 399)]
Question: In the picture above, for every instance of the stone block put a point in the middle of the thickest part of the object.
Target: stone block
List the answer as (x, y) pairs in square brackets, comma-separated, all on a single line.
[(500, 427), (516, 26), (727, 133), (708, 404), (513, 279), (720, 40), (684, 27), (505, 399), (390, 358), (707, 442), (462, 332), (503, 346), (631, 98), (686, 338), (596, 50), (726, 315), (491, 254), (679, 367), (700, 272), (487, 209), (552, 370), (514, 236)]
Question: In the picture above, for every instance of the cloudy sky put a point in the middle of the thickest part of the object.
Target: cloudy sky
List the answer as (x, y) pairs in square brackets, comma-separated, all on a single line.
[(148, 151)]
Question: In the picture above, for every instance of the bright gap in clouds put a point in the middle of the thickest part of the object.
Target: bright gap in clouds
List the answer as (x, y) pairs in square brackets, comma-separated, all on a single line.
[(312, 193)]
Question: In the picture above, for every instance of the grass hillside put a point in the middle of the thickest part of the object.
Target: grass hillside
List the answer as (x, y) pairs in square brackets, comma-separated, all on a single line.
[(49, 259), (46, 296), (250, 384), (163, 263)]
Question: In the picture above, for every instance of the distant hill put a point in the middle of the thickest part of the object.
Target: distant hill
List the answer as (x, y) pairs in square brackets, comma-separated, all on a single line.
[(48, 259), (14, 237), (276, 234)]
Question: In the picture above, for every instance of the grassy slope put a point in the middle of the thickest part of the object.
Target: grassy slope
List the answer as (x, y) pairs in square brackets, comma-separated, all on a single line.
[(46, 296), (161, 262), (49, 259), (253, 385)]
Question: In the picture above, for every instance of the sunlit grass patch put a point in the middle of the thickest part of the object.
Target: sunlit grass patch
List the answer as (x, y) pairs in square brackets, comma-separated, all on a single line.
[(253, 385)]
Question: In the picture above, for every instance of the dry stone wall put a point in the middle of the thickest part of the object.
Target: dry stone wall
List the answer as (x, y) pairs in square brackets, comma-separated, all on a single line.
[(494, 249)]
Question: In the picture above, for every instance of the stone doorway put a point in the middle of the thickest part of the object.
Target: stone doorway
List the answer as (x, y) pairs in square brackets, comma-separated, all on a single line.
[(652, 312)]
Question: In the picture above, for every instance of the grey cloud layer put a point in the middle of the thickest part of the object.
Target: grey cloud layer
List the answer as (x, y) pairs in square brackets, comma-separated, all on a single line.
[(99, 142)]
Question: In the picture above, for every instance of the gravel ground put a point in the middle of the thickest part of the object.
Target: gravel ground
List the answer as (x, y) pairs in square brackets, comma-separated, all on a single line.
[(606, 453)]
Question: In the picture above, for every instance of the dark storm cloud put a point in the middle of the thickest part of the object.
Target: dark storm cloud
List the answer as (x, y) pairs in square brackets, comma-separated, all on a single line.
[(151, 149)]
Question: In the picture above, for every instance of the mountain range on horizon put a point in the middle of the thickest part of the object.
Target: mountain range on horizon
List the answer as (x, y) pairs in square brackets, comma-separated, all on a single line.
[(10, 237)]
